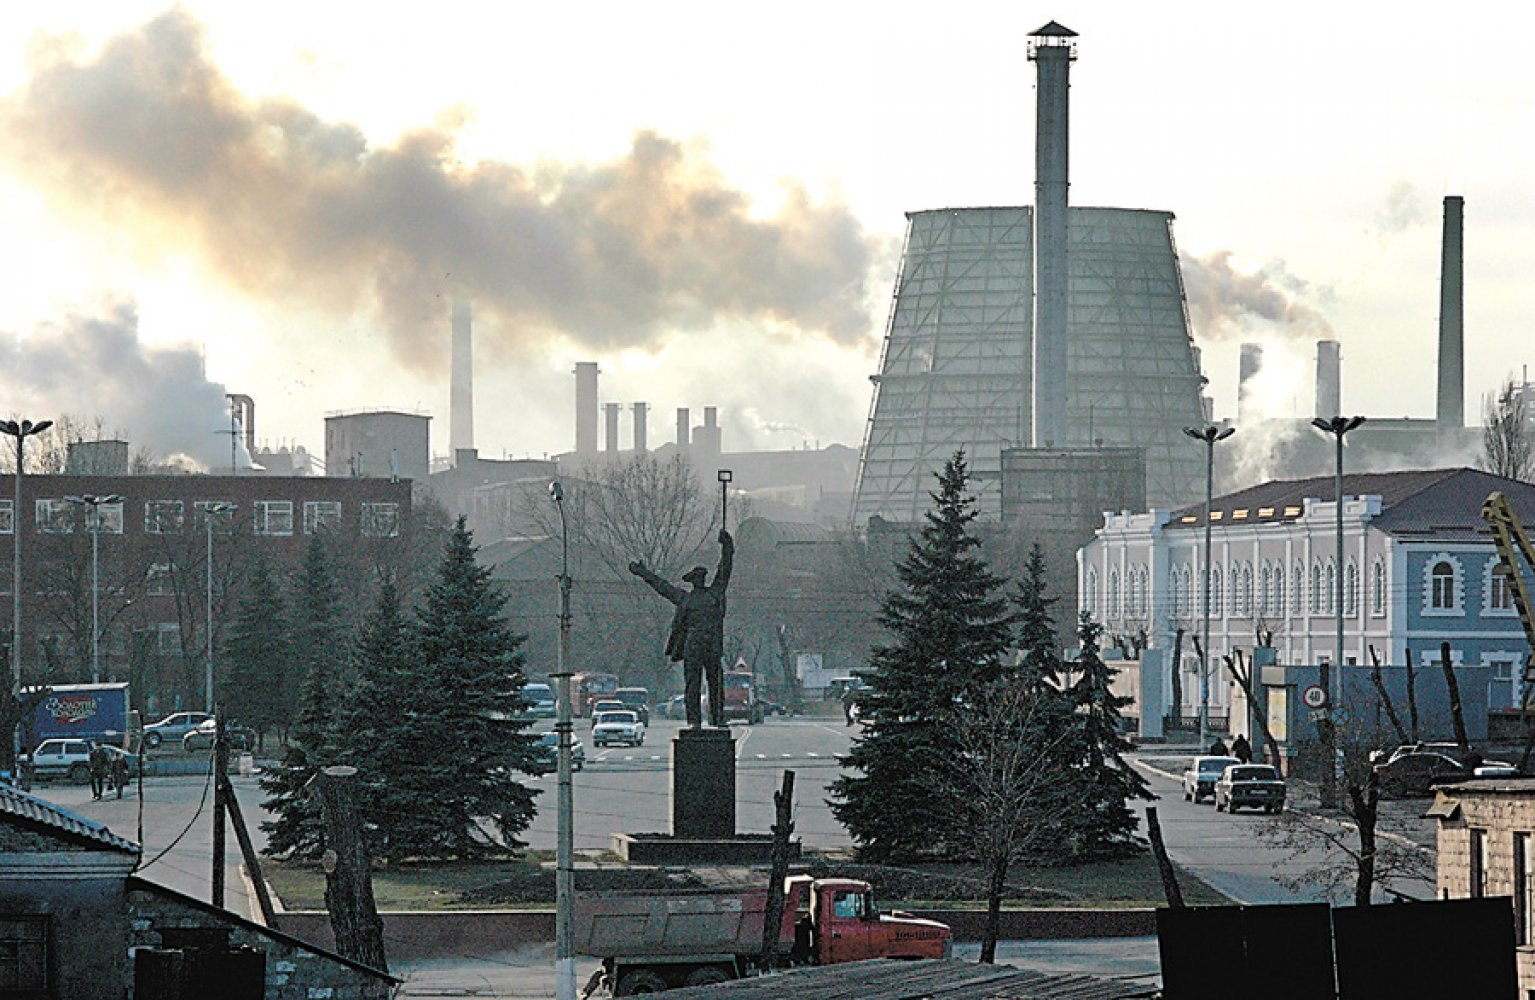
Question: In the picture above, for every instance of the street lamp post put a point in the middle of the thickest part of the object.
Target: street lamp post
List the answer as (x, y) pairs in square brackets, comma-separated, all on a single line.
[(94, 502), (1209, 435), (210, 512), (564, 855), (20, 430), (1337, 427)]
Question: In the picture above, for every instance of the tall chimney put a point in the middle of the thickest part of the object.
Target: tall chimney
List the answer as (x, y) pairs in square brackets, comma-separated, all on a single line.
[(641, 414), (1329, 380), (683, 431), (461, 393), (1249, 364), (586, 407), (1053, 50), (610, 415), (707, 441), (1452, 327)]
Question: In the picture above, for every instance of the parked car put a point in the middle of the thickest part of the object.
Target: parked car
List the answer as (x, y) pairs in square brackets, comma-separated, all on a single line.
[(838, 686), (239, 737), (539, 701), (1202, 774), (71, 759), (1415, 773), (549, 748), (636, 700), (676, 707), (1257, 785), (173, 727), (618, 727), (607, 705)]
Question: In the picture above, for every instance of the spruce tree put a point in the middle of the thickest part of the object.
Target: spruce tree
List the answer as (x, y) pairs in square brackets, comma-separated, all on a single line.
[(256, 658), (372, 731), (466, 738), (1101, 823), (950, 626)]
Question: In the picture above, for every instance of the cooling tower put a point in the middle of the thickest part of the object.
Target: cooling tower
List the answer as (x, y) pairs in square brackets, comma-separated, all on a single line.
[(1329, 380), (1451, 411), (1052, 50), (586, 408), (461, 390), (957, 360)]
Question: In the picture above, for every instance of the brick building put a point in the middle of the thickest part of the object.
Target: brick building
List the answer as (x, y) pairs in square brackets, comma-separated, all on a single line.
[(1486, 843), (152, 565)]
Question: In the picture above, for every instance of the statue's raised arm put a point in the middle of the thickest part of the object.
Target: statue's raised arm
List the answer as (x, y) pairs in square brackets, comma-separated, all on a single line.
[(727, 562)]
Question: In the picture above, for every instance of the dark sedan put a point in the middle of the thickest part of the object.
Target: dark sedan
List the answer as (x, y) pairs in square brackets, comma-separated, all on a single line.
[(1256, 785), (1414, 774)]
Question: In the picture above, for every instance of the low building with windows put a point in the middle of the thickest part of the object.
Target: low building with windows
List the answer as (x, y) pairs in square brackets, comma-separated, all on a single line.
[(1417, 570), (136, 558), (1486, 847)]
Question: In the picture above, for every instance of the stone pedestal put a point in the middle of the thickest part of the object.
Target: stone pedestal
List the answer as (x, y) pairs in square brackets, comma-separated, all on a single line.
[(704, 784)]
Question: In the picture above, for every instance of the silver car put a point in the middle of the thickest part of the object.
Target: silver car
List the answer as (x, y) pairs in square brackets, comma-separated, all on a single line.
[(1203, 772), (173, 727)]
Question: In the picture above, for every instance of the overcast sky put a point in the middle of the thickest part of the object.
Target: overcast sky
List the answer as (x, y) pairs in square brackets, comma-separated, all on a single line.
[(708, 198)]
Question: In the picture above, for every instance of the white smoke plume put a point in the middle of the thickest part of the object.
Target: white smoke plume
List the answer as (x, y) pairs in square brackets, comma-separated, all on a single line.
[(1226, 302), (1401, 210), (150, 135), (95, 366)]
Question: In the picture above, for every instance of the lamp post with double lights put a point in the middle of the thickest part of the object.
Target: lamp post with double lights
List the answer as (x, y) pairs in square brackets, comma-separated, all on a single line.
[(1209, 435), (211, 511), (1337, 427), (564, 853), (95, 503), (20, 430)]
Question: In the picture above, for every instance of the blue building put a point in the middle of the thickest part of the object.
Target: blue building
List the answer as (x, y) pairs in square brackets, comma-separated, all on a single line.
[(1417, 571)]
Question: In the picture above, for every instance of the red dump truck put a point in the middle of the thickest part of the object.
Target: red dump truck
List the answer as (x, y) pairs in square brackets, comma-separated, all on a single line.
[(650, 942)]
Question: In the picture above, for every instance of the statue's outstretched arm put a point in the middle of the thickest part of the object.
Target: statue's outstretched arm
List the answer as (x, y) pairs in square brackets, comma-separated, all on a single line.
[(666, 589)]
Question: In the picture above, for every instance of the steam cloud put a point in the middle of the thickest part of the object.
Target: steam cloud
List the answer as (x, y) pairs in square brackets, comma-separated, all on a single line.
[(1401, 210), (1225, 302), (281, 204), (95, 365)]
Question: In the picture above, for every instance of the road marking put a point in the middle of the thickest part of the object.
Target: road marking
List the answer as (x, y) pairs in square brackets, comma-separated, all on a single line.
[(762, 756), (809, 754)]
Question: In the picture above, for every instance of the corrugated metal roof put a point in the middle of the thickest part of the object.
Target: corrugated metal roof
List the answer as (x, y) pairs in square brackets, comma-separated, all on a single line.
[(946, 979), (37, 812)]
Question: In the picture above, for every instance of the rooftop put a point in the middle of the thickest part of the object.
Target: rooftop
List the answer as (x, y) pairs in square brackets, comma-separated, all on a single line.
[(39, 813)]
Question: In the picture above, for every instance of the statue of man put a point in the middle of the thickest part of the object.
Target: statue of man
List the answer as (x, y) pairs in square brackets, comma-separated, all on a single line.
[(698, 629)]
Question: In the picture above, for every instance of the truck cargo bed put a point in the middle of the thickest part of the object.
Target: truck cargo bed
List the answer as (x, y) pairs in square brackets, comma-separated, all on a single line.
[(682, 924)]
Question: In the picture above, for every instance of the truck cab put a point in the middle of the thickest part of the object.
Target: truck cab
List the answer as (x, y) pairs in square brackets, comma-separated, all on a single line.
[(845, 925)]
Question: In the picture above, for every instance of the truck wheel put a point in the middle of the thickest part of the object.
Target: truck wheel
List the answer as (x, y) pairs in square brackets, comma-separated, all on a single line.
[(639, 981), (79, 773), (709, 975), (152, 740)]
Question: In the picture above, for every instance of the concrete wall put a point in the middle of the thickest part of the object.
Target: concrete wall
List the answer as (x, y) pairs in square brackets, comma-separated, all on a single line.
[(1499, 810)]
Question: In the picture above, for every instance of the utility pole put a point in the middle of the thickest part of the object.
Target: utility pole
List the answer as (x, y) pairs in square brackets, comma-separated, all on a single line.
[(564, 855), (220, 769)]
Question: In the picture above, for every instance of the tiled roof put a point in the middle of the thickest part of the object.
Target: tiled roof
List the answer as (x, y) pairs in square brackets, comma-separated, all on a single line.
[(933, 979), (36, 812), (1438, 502)]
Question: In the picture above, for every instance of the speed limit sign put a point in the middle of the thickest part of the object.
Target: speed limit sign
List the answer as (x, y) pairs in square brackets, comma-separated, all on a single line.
[(1315, 696)]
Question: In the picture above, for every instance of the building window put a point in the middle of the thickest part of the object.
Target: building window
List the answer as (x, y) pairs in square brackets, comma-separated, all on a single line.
[(1478, 880), (7, 517), (1497, 590), (23, 954), (164, 517), (1351, 590), (1217, 593), (1242, 583), (55, 516), (1524, 888), (1298, 583), (1330, 588), (223, 518), (159, 580), (321, 515), (1378, 588), (1090, 592), (1113, 588), (1279, 605), (274, 517), (1316, 588), (381, 520), (1443, 586), (1143, 592)]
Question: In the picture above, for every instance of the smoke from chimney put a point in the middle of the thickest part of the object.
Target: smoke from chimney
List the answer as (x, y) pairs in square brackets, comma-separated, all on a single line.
[(1249, 364), (1226, 302), (282, 204)]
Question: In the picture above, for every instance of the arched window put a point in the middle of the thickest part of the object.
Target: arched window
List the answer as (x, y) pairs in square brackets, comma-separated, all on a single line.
[(1216, 607), (1266, 591), (1351, 590), (1090, 592), (1378, 587), (1441, 577), (1298, 590), (1279, 591), (1330, 580), (1113, 593), (1316, 588), (1244, 595)]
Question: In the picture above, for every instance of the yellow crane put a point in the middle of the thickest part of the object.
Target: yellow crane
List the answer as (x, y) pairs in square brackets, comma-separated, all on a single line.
[(1516, 563)]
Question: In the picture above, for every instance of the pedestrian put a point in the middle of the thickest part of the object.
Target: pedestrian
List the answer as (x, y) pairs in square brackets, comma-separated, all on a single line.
[(849, 699), (1241, 749), (97, 761), (119, 772), (1219, 748)]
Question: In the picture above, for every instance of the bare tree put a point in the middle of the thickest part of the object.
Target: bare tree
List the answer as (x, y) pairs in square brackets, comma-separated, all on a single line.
[(1508, 445)]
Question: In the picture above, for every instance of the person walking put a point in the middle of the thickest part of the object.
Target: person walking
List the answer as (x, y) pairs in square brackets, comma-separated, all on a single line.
[(97, 762), (849, 699), (1241, 749), (1219, 748), (119, 772)]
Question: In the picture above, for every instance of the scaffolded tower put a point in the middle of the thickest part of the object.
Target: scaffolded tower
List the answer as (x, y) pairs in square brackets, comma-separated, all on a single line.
[(955, 371)]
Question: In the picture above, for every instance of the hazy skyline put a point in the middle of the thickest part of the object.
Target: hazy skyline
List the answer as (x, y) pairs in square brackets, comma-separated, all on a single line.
[(709, 201)]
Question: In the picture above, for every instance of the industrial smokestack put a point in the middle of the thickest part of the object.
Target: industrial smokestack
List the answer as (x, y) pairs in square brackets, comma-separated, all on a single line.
[(1250, 363), (244, 408), (1329, 380), (641, 414), (461, 392), (707, 441), (1053, 50), (586, 407), (683, 431), (1452, 327), (610, 414)]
